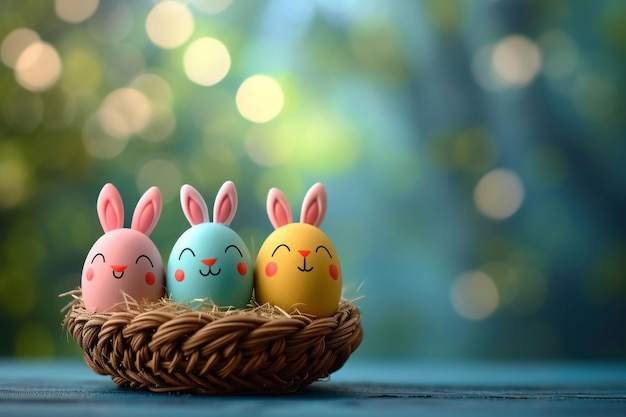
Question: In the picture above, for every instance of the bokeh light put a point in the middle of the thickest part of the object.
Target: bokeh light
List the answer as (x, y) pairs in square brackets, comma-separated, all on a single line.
[(75, 11), (474, 295), (124, 112), (206, 61), (499, 193), (15, 43), (38, 67), (516, 61), (259, 98), (169, 24)]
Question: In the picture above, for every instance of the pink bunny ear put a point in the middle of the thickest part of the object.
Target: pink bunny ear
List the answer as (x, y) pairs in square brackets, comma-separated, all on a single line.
[(110, 208), (148, 211), (225, 203), (314, 205), (193, 204), (278, 209)]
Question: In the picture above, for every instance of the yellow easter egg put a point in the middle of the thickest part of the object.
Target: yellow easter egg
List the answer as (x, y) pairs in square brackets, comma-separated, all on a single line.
[(297, 268)]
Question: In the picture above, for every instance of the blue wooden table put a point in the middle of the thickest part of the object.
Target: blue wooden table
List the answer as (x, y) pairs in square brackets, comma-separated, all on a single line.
[(68, 388)]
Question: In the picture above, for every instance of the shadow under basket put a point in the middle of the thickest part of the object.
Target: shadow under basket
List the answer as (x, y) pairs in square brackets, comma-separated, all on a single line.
[(171, 348)]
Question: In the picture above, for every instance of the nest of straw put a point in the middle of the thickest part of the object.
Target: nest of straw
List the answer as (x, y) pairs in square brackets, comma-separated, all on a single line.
[(168, 347)]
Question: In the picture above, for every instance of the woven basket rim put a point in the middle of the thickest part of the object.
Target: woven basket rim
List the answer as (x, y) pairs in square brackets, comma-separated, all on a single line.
[(170, 347)]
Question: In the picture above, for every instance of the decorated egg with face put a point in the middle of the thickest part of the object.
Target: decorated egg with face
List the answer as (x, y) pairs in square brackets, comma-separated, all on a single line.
[(210, 261), (297, 267), (123, 265)]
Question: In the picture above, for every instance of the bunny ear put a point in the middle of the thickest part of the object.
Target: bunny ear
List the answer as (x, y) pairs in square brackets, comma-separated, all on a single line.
[(110, 208), (314, 205), (148, 211), (278, 209), (193, 204), (225, 203)]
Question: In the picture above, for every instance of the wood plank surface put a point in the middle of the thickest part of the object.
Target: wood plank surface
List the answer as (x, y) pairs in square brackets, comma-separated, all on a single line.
[(69, 388)]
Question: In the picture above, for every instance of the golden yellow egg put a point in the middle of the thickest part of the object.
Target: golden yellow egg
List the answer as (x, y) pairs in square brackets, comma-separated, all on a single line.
[(298, 268)]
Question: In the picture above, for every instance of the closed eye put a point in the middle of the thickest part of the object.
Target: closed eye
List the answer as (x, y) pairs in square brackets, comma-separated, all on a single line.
[(282, 244), (325, 248), (183, 251), (144, 256), (96, 255), (236, 248)]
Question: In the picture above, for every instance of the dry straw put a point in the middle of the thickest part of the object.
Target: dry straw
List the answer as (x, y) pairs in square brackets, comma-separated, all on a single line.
[(168, 347)]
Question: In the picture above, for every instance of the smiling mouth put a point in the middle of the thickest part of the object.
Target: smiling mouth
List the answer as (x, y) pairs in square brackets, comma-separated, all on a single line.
[(303, 268), (118, 276), (210, 272)]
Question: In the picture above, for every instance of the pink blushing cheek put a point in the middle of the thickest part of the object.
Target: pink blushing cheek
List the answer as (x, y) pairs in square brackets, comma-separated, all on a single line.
[(241, 268), (150, 278), (334, 272), (270, 269), (179, 275), (89, 274)]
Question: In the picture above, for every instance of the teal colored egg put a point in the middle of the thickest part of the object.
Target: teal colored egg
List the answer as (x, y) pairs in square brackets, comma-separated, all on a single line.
[(210, 261)]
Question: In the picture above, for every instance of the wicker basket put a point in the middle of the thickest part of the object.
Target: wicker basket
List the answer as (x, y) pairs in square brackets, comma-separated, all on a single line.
[(171, 348)]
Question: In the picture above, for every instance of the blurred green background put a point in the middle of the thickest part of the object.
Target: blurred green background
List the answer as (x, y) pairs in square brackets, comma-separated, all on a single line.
[(473, 151)]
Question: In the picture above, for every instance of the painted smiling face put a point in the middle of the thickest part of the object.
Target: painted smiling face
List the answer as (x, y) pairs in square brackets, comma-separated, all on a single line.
[(123, 262), (210, 261), (297, 266)]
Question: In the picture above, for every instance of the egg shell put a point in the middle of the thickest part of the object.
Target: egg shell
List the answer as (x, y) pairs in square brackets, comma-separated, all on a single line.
[(102, 291), (229, 287), (286, 278)]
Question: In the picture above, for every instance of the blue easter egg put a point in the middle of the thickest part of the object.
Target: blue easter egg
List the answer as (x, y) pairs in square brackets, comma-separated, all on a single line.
[(210, 261)]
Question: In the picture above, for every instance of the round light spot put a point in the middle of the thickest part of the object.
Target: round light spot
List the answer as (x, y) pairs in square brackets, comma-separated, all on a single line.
[(259, 99), (124, 112), (206, 61), (38, 67), (474, 295), (15, 43), (499, 193), (169, 24), (75, 11), (516, 60)]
